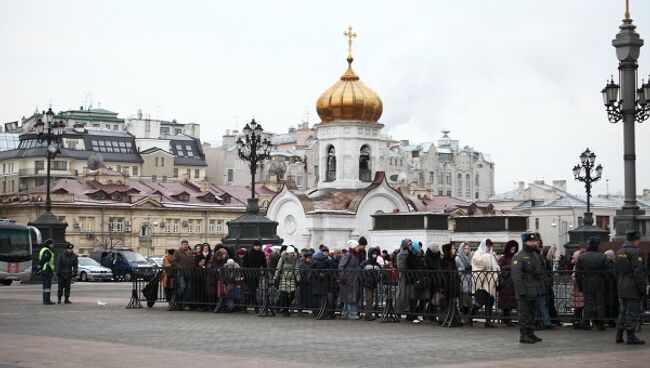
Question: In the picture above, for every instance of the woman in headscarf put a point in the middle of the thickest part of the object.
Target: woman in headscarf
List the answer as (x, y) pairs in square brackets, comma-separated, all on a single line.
[(507, 299), (464, 267), (485, 272), (452, 286), (611, 295)]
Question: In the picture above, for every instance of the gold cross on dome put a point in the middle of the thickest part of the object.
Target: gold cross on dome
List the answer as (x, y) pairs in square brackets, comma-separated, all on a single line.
[(351, 36), (627, 9)]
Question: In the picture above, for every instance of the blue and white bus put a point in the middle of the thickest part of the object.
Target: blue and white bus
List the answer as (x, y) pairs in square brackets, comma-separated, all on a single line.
[(16, 244)]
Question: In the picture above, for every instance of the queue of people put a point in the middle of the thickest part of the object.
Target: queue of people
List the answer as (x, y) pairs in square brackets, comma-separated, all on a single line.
[(448, 284)]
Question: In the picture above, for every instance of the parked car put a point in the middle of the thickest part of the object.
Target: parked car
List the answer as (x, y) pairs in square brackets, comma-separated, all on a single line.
[(90, 270), (123, 263), (155, 261)]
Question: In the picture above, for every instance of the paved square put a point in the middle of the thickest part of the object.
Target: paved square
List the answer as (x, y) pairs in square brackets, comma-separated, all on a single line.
[(87, 334)]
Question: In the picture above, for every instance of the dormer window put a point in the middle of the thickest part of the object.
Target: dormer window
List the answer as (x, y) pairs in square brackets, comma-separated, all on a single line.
[(117, 196), (100, 195), (226, 198)]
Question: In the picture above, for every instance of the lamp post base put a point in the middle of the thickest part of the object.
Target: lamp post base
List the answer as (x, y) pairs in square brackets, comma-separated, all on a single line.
[(631, 219)]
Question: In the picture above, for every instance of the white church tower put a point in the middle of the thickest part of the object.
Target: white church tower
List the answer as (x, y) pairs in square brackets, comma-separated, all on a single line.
[(348, 133)]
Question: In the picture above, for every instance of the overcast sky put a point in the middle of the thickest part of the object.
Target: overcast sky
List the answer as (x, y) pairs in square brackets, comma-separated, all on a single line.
[(519, 80)]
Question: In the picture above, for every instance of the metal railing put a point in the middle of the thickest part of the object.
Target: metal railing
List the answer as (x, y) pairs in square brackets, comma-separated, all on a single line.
[(451, 298)]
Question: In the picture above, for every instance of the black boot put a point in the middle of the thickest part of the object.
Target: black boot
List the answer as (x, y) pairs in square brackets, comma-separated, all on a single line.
[(58, 300), (67, 301), (46, 299), (524, 337), (619, 336), (632, 339), (488, 318), (532, 335)]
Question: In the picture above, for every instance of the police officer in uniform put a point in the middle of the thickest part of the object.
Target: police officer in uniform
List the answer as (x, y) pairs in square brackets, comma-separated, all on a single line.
[(527, 274), (631, 286), (46, 265), (66, 268)]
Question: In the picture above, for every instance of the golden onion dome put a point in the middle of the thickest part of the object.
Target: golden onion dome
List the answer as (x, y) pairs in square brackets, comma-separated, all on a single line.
[(349, 99)]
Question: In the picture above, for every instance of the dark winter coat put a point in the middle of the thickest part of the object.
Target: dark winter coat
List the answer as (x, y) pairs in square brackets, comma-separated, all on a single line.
[(451, 279), (323, 277), (527, 274), (630, 272), (507, 298), (590, 271), (66, 265), (432, 265), (349, 277), (371, 273), (255, 259)]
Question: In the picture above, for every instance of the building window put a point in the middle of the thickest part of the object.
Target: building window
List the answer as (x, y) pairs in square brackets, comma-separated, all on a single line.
[(162, 161), (431, 177), (212, 226), (602, 222), (476, 180), (176, 172), (172, 225), (39, 165), (196, 173), (154, 178), (459, 185), (145, 232), (231, 177), (100, 195), (449, 193), (157, 161), (440, 193), (86, 224), (449, 179), (536, 223), (468, 185), (330, 172), (365, 172), (134, 171), (194, 226), (116, 224), (188, 173), (220, 228)]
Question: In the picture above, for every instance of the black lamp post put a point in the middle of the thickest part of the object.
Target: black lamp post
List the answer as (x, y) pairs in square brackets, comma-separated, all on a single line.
[(51, 132), (633, 105), (253, 149), (583, 172), (252, 227)]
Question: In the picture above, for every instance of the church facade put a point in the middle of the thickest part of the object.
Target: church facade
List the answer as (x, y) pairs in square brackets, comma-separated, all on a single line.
[(351, 187)]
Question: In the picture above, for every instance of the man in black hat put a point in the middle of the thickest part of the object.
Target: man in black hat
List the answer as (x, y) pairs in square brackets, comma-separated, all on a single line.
[(590, 278), (528, 277), (631, 286), (66, 268)]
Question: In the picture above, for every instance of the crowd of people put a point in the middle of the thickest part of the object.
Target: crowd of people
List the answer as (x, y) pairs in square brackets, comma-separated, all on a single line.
[(450, 284)]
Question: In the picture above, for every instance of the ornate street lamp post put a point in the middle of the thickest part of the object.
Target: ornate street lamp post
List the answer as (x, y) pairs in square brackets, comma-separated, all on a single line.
[(251, 227), (583, 172), (632, 106), (253, 149), (51, 132)]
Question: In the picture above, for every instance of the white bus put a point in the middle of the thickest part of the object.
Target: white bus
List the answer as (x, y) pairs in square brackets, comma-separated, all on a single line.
[(16, 243)]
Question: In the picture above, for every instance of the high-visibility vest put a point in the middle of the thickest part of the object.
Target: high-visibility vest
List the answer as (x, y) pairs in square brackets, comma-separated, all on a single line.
[(51, 262)]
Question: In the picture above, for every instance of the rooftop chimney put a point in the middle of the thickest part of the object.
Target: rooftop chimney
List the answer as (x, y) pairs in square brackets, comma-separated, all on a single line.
[(560, 184)]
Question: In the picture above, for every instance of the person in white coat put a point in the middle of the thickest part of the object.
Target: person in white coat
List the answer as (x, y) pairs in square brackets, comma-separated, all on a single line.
[(485, 273)]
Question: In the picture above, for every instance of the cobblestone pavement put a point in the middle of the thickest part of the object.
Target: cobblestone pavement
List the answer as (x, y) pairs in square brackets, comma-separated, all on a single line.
[(87, 334)]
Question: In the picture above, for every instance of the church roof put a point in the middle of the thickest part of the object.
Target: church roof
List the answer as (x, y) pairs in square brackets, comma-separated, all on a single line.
[(337, 201)]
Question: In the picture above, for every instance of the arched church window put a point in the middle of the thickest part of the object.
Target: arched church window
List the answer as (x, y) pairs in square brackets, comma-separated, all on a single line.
[(365, 172), (330, 173), (468, 186), (459, 186)]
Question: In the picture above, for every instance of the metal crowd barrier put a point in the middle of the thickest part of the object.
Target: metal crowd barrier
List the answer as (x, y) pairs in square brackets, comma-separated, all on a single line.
[(386, 295)]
